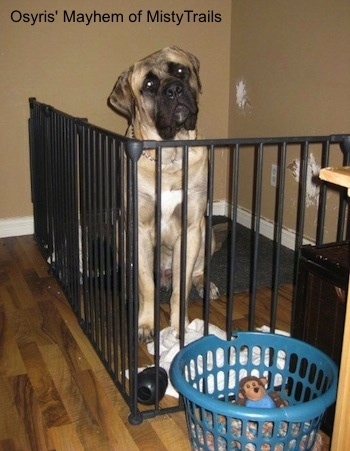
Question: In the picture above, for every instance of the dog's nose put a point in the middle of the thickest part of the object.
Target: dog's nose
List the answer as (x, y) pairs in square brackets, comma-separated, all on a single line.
[(173, 91)]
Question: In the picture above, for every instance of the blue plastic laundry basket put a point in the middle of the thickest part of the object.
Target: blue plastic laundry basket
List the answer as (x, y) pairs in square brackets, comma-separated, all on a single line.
[(207, 374)]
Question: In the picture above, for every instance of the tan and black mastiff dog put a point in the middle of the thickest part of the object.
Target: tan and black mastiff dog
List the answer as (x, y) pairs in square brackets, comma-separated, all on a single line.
[(159, 97)]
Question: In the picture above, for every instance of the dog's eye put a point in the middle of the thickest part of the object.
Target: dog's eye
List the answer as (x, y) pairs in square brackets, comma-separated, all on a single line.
[(178, 70), (150, 83)]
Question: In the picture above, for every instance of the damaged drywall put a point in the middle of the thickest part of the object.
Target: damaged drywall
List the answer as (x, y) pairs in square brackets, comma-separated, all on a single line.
[(242, 99), (312, 180)]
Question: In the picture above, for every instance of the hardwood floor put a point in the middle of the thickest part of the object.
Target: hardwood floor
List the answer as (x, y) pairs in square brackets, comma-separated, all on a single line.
[(55, 392)]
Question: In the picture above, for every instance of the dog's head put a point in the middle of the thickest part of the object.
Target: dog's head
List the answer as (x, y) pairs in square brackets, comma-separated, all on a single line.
[(159, 95)]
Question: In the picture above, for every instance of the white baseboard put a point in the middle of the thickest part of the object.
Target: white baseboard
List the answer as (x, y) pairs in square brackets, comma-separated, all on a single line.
[(25, 226), (244, 217), (16, 226)]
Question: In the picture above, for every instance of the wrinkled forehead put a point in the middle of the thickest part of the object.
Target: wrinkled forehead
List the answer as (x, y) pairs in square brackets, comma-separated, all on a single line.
[(158, 64)]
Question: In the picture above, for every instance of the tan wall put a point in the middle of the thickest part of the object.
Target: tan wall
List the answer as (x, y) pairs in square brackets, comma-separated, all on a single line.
[(293, 58), (74, 67)]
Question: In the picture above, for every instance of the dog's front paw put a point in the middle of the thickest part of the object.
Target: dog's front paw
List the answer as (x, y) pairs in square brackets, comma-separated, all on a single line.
[(214, 292), (146, 333), (198, 282)]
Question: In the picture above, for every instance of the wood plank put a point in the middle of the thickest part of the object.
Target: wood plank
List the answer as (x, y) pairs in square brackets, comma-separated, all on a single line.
[(30, 413), (20, 289), (11, 363), (12, 429), (34, 256), (47, 396), (65, 438), (167, 428), (338, 176), (75, 398)]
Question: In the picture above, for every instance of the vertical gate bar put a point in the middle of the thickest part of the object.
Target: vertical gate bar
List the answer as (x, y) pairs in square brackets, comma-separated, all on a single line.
[(108, 250), (157, 267), (101, 237), (92, 234), (49, 174), (301, 195), (64, 210), (43, 227), (89, 183), (83, 261), (97, 247), (300, 214), (53, 174), (61, 213), (321, 211), (256, 230), (134, 149), (96, 262), (234, 177), (60, 218), (76, 248), (279, 208), (91, 206), (183, 252), (122, 267), (91, 231), (69, 213), (114, 244), (70, 189), (51, 149), (55, 143), (208, 237), (86, 228)]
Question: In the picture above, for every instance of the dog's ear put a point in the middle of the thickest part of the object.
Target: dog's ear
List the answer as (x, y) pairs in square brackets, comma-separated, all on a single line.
[(122, 98), (195, 64)]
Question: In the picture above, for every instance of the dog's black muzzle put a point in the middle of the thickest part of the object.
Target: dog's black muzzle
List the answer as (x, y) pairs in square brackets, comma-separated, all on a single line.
[(176, 109), (173, 90)]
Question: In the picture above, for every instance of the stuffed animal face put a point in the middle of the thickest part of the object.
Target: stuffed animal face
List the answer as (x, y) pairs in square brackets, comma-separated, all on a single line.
[(252, 393), (253, 388)]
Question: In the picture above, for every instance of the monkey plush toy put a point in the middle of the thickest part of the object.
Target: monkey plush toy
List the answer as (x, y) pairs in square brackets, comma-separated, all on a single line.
[(252, 393)]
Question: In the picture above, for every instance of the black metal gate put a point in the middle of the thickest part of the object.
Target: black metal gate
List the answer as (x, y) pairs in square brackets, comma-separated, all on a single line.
[(84, 193)]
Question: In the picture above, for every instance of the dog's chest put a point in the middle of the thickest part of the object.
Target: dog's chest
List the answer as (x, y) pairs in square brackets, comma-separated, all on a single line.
[(171, 201)]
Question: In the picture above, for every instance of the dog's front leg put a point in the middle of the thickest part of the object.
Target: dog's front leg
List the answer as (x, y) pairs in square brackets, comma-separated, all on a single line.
[(146, 288), (193, 246)]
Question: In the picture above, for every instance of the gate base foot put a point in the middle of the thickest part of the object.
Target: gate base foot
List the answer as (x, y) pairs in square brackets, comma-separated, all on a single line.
[(135, 419)]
